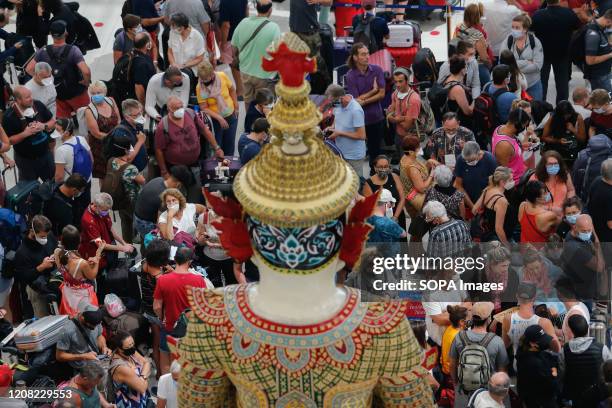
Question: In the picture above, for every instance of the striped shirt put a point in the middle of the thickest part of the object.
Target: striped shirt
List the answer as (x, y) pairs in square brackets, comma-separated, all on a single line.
[(448, 239)]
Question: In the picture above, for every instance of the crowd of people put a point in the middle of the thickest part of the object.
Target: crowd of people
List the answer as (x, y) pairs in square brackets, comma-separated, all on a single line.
[(524, 182)]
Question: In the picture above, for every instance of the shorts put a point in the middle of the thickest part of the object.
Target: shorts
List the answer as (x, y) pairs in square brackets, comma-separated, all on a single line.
[(163, 341)]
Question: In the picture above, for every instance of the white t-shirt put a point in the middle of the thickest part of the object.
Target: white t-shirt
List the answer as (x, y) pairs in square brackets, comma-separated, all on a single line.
[(64, 154), (45, 94), (186, 223), (580, 309), (188, 49), (166, 389), (484, 400), (432, 309)]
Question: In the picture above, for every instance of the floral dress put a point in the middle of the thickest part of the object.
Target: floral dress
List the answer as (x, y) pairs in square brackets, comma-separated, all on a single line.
[(129, 175), (124, 396)]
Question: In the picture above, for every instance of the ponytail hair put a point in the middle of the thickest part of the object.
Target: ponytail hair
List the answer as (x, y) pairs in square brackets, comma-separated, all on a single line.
[(71, 239), (501, 173)]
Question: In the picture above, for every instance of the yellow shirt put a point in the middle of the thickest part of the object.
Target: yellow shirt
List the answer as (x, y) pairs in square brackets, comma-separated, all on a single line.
[(447, 341), (211, 102)]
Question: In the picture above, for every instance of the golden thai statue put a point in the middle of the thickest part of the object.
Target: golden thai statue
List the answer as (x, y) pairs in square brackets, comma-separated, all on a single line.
[(296, 339)]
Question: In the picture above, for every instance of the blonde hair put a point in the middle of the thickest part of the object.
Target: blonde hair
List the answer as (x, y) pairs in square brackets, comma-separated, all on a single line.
[(98, 85), (520, 104), (599, 97), (173, 192), (497, 253), (501, 173), (205, 69), (524, 19)]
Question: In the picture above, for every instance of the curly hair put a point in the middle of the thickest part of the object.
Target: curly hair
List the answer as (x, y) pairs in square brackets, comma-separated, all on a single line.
[(540, 170), (173, 192)]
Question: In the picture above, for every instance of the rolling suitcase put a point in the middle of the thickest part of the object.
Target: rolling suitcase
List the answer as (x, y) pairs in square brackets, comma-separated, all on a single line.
[(18, 197), (405, 34)]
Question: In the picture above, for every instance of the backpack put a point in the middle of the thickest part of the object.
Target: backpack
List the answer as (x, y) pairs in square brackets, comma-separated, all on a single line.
[(86, 37), (82, 163), (474, 369), (587, 166), (438, 98), (577, 46), (121, 84), (424, 66), (127, 8), (81, 124), (113, 185), (363, 32), (12, 229), (107, 142), (485, 117), (532, 41), (40, 197), (473, 397), (426, 122), (66, 76)]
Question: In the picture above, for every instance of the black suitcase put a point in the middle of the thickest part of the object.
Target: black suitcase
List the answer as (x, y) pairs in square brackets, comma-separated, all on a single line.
[(18, 197), (123, 283)]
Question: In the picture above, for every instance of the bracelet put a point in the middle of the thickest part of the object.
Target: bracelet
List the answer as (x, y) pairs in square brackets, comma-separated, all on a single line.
[(218, 147)]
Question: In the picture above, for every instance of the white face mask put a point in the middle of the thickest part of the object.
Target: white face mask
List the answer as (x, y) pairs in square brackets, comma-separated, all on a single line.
[(173, 207), (47, 81), (131, 148), (401, 95), (509, 185), (140, 120), (270, 106), (389, 212), (55, 134), (472, 163), (179, 113), (29, 113), (139, 29), (599, 110)]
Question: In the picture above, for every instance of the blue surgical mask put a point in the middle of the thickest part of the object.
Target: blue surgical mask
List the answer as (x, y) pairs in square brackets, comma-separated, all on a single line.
[(571, 218), (548, 197), (97, 99), (103, 213), (585, 236), (553, 169), (517, 33)]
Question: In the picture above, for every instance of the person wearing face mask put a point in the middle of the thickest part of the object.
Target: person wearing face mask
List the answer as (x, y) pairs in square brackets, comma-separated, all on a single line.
[(131, 178), (84, 387), (170, 297), (82, 339), (386, 229), (444, 192), (497, 222), (500, 93), (466, 50), (601, 117), (177, 138), (34, 258), (97, 230), (598, 68), (217, 98), (405, 107), (130, 127), (527, 50), (571, 209), (385, 178), (179, 216), (64, 205), (446, 142), (474, 166), (564, 132), (505, 144), (553, 172), (186, 47), (124, 39), (28, 124), (42, 86), (66, 149), (101, 116), (260, 107), (537, 222), (583, 259), (250, 144), (459, 99), (167, 387), (129, 373), (171, 82), (495, 395)]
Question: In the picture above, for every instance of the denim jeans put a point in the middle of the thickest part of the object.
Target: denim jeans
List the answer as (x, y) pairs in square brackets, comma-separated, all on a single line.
[(602, 82), (536, 91), (143, 227), (226, 138)]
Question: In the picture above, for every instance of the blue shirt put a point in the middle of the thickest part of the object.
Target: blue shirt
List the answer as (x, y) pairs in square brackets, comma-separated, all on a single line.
[(475, 178), (385, 229), (247, 148), (349, 119), (503, 102)]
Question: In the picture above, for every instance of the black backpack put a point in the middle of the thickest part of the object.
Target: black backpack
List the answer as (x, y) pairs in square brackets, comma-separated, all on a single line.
[(577, 46), (532, 42), (438, 98), (127, 8), (67, 77), (121, 84), (86, 37), (363, 32), (424, 66), (485, 117)]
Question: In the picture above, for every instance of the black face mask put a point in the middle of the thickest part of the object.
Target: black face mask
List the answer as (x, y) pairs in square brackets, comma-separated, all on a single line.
[(129, 351), (208, 83)]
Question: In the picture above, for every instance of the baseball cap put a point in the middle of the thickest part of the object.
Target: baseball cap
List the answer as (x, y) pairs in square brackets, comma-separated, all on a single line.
[(366, 3), (482, 310), (57, 28), (526, 291), (386, 196), (536, 334)]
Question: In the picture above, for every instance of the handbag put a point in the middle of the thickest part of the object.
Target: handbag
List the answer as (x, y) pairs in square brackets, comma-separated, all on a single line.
[(236, 60), (415, 199)]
